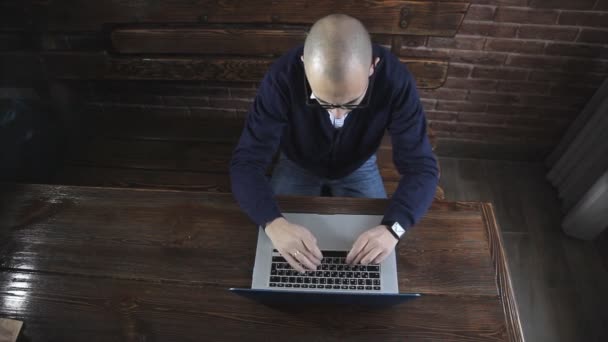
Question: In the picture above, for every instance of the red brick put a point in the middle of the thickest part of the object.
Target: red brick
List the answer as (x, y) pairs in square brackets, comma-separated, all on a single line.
[(443, 94), (477, 12), (590, 79), (477, 57), (563, 4), (458, 42), (409, 41), (482, 118), (572, 90), (540, 62), (525, 16), (522, 87), (583, 19), (460, 106), (488, 29), (459, 70), (483, 97), (513, 45), (547, 32), (499, 73), (440, 116), (470, 83), (531, 111), (428, 104), (423, 52), (566, 49), (556, 101), (593, 36)]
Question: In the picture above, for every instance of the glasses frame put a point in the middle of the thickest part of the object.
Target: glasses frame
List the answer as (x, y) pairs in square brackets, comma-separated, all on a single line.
[(364, 103)]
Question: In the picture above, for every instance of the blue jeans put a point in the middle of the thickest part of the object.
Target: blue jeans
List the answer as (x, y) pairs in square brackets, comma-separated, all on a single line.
[(290, 179)]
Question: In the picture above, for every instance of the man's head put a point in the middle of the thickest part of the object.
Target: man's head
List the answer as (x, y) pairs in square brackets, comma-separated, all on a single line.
[(338, 60)]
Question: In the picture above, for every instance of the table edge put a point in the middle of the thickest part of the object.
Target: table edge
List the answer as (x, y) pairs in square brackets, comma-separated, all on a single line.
[(503, 274)]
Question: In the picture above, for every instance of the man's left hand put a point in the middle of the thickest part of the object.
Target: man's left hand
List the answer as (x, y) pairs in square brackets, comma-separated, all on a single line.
[(373, 246)]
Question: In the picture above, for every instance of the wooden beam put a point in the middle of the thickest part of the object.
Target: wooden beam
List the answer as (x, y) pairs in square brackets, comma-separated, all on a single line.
[(429, 73), (438, 18)]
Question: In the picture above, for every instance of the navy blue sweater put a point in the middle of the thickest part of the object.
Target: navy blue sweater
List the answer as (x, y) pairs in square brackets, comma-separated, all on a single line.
[(279, 117)]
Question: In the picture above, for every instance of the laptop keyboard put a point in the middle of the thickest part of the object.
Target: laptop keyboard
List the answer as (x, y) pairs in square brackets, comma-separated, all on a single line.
[(332, 274)]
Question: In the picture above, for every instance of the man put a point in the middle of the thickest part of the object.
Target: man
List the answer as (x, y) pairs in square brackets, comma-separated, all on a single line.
[(327, 105)]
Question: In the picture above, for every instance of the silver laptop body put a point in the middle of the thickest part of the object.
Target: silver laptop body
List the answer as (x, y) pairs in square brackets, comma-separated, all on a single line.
[(335, 234)]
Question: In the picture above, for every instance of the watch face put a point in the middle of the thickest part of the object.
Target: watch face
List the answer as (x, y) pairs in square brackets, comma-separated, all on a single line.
[(398, 229)]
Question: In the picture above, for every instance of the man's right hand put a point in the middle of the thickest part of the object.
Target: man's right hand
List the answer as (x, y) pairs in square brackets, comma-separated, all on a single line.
[(295, 243)]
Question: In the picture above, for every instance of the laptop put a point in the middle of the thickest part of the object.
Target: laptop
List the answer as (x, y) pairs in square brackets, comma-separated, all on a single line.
[(334, 281)]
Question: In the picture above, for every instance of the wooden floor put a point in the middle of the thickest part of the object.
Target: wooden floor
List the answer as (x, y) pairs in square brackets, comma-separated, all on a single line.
[(560, 283)]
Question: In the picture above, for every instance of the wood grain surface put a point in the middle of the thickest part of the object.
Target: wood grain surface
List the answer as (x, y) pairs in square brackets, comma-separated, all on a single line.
[(141, 264), (439, 18)]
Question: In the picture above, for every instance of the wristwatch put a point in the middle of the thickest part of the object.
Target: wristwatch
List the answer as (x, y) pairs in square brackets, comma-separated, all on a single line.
[(395, 228)]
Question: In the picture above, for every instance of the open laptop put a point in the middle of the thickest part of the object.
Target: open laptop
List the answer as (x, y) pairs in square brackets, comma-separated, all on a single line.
[(334, 281)]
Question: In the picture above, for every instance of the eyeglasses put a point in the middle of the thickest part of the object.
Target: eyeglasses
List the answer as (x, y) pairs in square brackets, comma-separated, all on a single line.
[(364, 103)]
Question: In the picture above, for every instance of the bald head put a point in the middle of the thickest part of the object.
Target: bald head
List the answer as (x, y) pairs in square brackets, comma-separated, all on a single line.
[(337, 58)]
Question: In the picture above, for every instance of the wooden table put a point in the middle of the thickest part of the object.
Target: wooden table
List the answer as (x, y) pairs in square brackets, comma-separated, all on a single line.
[(104, 264)]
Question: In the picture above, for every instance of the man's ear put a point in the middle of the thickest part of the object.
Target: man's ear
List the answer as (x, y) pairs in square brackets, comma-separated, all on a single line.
[(302, 58), (372, 67)]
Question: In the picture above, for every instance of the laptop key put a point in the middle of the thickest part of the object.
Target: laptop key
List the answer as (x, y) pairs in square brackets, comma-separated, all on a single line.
[(306, 280), (376, 281), (364, 275), (374, 275), (319, 273), (341, 274), (325, 267), (334, 274), (327, 274), (359, 287), (315, 280), (344, 287), (376, 287), (357, 274), (333, 267), (280, 285), (368, 287), (328, 286), (284, 279), (353, 281), (275, 279), (274, 272), (361, 282), (292, 279), (299, 280), (352, 287), (340, 267), (349, 274), (373, 268), (312, 286), (322, 281), (304, 286), (273, 285), (330, 281), (288, 285), (368, 282), (277, 259), (336, 287), (296, 285)]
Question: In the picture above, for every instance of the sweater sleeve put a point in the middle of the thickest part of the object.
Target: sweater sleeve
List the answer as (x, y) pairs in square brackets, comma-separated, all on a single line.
[(253, 154), (412, 155)]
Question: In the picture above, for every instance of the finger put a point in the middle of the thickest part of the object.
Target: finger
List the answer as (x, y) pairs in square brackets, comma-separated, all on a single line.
[(380, 258), (363, 253), (304, 260), (315, 261), (293, 262), (311, 246), (356, 249), (371, 256)]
